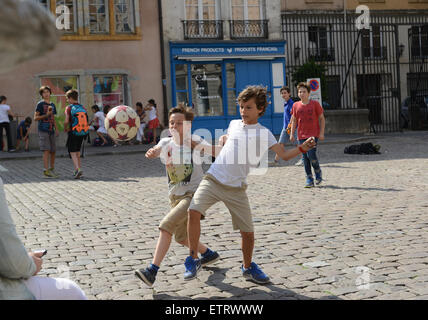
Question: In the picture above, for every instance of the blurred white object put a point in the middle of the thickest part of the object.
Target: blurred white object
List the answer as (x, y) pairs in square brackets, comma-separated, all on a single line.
[(27, 30)]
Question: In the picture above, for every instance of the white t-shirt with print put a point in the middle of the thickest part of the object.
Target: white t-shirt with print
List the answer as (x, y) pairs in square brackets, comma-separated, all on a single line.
[(4, 116), (245, 148), (183, 165)]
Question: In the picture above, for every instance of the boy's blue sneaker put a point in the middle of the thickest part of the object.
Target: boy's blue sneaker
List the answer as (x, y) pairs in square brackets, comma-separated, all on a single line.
[(148, 276), (255, 273), (209, 257), (192, 267), (309, 183)]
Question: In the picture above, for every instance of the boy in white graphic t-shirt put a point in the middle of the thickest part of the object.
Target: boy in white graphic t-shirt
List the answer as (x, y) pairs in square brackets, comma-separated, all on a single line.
[(246, 144), (184, 176)]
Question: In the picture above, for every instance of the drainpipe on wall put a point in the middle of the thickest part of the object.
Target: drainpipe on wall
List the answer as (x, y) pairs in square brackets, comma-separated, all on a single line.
[(165, 108)]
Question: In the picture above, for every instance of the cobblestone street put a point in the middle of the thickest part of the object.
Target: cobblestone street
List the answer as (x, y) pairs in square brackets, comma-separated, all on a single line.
[(362, 234)]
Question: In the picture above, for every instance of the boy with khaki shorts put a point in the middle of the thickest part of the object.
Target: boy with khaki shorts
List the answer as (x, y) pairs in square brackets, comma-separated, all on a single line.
[(245, 146), (184, 176)]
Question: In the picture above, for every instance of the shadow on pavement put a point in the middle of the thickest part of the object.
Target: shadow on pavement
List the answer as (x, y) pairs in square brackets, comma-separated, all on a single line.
[(359, 188), (216, 279)]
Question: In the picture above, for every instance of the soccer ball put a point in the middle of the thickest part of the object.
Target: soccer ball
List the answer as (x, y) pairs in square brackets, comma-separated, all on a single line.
[(122, 123)]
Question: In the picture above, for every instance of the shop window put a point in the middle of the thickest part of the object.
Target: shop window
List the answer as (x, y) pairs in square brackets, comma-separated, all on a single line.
[(181, 84), (232, 108), (207, 89), (109, 90), (59, 86)]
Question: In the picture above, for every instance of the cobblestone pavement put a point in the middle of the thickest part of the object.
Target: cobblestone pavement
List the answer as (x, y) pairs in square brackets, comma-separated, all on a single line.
[(361, 235)]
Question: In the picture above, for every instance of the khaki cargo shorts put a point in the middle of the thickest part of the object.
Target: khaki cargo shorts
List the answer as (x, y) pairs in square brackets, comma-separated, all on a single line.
[(211, 191), (175, 222)]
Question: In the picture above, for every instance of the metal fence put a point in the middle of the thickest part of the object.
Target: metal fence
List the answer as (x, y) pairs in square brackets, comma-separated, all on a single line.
[(375, 68)]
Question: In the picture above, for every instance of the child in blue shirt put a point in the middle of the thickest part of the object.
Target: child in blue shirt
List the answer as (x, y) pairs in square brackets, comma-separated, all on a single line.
[(23, 132), (285, 133)]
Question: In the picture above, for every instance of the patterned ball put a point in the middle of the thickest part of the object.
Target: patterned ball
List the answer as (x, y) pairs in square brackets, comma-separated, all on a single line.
[(122, 123)]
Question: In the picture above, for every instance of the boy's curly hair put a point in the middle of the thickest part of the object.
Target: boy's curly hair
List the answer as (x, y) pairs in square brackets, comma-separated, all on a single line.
[(183, 109), (257, 92)]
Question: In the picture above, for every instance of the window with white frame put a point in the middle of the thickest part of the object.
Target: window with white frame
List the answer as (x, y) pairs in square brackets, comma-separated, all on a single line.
[(202, 9), (247, 9), (248, 19)]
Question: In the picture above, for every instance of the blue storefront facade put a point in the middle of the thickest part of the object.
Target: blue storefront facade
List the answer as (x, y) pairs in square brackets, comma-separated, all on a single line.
[(209, 77)]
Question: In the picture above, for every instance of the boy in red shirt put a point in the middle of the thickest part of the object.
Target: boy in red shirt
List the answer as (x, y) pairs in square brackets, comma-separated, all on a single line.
[(308, 116)]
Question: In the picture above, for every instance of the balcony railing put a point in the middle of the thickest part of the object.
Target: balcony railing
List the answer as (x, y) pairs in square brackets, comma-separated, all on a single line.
[(321, 54), (247, 29), (203, 29)]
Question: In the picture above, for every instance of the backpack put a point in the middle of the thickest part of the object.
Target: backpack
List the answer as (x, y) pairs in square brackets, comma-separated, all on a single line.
[(79, 120), (363, 148)]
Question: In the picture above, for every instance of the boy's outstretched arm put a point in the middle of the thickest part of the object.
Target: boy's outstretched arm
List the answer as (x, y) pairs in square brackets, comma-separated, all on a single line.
[(212, 150), (291, 153), (154, 152)]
